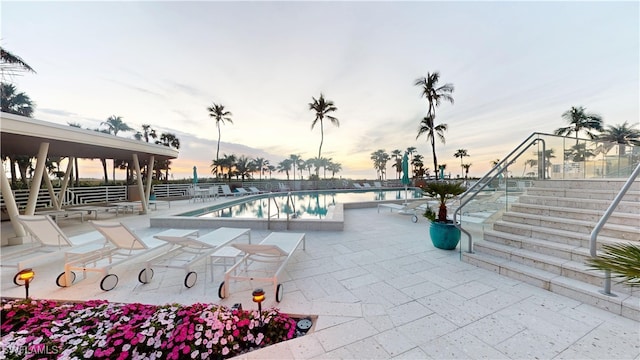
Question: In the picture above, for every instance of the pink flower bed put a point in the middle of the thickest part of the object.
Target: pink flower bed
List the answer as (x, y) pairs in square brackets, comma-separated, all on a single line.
[(33, 329)]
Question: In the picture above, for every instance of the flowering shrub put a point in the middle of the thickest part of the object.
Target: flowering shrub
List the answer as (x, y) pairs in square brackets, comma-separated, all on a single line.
[(102, 330)]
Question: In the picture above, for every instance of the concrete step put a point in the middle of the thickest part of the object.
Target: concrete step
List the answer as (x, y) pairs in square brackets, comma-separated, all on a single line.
[(625, 303), (591, 184), (583, 193), (555, 235), (624, 232), (555, 265), (577, 214), (632, 207)]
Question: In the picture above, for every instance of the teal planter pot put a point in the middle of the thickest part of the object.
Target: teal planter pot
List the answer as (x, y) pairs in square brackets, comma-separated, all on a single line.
[(444, 236)]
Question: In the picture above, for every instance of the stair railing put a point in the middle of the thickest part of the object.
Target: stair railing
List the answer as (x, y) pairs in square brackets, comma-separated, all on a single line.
[(596, 230), (497, 170)]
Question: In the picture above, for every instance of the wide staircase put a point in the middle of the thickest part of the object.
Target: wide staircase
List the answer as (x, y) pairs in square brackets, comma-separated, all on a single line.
[(543, 240)]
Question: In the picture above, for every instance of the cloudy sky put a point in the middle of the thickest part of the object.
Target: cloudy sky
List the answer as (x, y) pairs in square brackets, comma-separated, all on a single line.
[(516, 67)]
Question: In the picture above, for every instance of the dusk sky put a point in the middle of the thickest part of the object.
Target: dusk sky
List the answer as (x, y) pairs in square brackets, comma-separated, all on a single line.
[(516, 67)]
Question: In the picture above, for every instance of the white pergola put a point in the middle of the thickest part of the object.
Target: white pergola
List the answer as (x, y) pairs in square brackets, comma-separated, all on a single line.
[(40, 139)]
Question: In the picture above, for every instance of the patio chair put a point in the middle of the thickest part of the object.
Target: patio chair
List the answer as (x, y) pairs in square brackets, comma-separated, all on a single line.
[(242, 191), (357, 186), (122, 245), (268, 258), (226, 190), (377, 184), (412, 208), (255, 190), (47, 239), (366, 185), (188, 250)]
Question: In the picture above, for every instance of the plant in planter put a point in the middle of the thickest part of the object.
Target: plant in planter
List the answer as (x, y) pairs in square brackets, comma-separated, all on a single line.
[(443, 232)]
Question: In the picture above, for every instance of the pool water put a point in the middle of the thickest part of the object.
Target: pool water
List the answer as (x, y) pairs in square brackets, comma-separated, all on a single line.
[(302, 205)]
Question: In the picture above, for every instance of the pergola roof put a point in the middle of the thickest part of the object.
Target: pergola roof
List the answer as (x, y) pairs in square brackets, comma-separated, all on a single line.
[(22, 136)]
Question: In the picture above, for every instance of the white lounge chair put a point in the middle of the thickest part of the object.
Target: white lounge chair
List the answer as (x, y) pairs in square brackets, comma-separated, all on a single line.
[(226, 190), (377, 184), (46, 239), (188, 250), (283, 187), (62, 214), (366, 185), (271, 256), (122, 245), (411, 208), (242, 191), (357, 186), (255, 190)]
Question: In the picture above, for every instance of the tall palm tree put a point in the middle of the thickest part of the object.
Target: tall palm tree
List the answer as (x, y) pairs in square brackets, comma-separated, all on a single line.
[(146, 134), (428, 127), (220, 115), (397, 155), (322, 108), (580, 120), (435, 95), (622, 135), (15, 102), (461, 153)]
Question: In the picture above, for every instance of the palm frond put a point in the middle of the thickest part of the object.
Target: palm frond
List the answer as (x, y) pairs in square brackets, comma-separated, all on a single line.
[(622, 260)]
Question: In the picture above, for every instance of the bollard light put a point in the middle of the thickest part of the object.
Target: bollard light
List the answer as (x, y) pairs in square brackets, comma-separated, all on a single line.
[(258, 297), (26, 275)]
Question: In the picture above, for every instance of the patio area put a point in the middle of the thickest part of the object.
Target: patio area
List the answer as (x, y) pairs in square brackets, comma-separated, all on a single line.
[(380, 290)]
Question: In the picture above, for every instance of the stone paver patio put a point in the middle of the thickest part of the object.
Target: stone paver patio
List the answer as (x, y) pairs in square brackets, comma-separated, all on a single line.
[(380, 290)]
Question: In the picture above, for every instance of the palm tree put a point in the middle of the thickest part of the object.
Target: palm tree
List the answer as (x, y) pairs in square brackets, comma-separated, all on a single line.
[(380, 159), (261, 164), (428, 127), (397, 155), (322, 108), (169, 140), (147, 132), (466, 170), (103, 161), (580, 120), (411, 150), (295, 161), (15, 102), (11, 64), (227, 161), (244, 167), (622, 135), (435, 95), (115, 125), (75, 159), (578, 153), (285, 166), (334, 168), (418, 166), (220, 115), (531, 163), (461, 153), (622, 260)]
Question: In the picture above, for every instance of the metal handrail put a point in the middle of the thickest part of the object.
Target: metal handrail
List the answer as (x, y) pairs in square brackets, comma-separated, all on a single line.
[(498, 169), (596, 230)]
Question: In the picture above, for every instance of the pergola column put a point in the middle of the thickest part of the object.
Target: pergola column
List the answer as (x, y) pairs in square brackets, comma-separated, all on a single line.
[(12, 208), (37, 179), (143, 200)]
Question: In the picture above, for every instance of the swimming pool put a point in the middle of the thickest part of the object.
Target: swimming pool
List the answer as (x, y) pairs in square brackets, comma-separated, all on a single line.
[(299, 205)]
